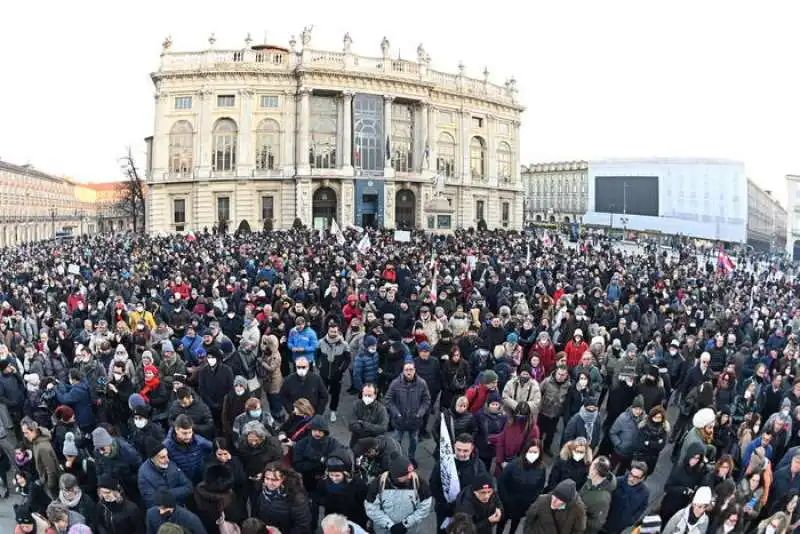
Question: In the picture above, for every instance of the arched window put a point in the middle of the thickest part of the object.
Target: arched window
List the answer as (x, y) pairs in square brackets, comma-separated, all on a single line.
[(477, 157), (181, 148), (223, 158), (505, 169), (268, 143), (446, 155)]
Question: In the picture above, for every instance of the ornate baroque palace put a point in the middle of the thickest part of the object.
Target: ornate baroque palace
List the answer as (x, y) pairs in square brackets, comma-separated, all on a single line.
[(267, 134)]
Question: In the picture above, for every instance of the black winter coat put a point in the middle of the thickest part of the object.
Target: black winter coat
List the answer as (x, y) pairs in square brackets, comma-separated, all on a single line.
[(214, 384), (289, 514), (346, 499), (119, 518), (479, 512), (311, 387), (564, 469), (520, 484)]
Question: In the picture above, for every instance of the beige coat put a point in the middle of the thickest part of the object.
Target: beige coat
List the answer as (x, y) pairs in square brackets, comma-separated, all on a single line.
[(271, 376)]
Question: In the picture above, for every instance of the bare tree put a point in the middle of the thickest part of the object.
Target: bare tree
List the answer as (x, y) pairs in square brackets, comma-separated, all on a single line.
[(131, 192)]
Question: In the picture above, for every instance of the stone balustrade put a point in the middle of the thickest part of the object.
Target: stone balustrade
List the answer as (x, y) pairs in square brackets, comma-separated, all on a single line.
[(276, 59)]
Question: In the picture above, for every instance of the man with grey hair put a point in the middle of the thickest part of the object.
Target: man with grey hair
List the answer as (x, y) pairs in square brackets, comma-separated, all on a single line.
[(338, 524)]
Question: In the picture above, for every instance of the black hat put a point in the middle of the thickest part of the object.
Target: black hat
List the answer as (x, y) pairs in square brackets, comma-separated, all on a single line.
[(482, 481), (334, 464), (152, 446), (591, 400), (400, 467), (218, 478), (165, 499), (320, 423), (142, 411), (108, 482), (23, 514), (565, 490)]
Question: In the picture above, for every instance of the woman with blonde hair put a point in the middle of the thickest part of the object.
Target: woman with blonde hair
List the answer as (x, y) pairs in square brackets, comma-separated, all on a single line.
[(297, 426), (573, 462), (777, 523), (269, 371)]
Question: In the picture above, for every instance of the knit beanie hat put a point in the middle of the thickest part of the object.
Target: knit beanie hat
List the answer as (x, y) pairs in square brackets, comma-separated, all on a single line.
[(171, 528), (488, 377), (69, 448), (565, 490), (101, 438)]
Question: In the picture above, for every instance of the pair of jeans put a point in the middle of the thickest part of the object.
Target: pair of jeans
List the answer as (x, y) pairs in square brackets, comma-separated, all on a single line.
[(334, 386), (413, 439)]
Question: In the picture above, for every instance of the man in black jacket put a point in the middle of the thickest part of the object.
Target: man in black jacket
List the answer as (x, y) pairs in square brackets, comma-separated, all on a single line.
[(304, 384), (469, 469)]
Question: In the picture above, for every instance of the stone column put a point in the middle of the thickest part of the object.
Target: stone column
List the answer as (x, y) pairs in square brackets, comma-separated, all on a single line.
[(491, 149), (245, 159), (303, 132), (388, 171), (466, 138), (160, 144), (288, 141), (204, 135), (423, 155), (347, 133)]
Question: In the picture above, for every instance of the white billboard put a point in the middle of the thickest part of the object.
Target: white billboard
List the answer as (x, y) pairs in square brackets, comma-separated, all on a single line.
[(693, 197)]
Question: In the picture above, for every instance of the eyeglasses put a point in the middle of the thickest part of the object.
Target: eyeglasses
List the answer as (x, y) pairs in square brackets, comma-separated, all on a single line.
[(635, 477)]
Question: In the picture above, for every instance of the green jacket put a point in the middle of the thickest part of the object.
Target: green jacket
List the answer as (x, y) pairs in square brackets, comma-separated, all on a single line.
[(597, 500)]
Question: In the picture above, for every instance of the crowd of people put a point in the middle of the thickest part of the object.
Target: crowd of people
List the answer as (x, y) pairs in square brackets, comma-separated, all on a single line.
[(188, 384)]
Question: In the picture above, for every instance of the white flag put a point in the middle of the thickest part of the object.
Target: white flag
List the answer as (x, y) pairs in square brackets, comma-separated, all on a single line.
[(451, 486), (337, 232), (364, 245)]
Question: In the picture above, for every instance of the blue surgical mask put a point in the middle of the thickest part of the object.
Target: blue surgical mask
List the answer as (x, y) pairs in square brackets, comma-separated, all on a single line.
[(255, 413)]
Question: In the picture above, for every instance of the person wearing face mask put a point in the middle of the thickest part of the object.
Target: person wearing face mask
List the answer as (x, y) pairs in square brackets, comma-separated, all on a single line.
[(115, 512), (561, 511), (520, 429), (187, 403), (303, 384), (140, 314), (252, 412), (684, 482), (233, 405), (118, 391), (587, 423), (580, 390), (692, 519), (214, 381), (140, 428), (368, 418), (629, 500), (521, 483)]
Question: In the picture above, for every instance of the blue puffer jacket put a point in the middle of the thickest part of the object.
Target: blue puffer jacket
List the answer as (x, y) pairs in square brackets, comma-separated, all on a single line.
[(79, 398), (190, 458), (624, 433), (306, 340), (152, 479), (628, 505), (365, 369)]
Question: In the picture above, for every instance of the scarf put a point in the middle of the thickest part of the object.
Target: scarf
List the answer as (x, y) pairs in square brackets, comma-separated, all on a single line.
[(70, 503), (589, 419), (149, 387)]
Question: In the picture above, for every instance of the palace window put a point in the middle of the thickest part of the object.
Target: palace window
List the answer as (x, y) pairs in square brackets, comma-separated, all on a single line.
[(505, 213), (402, 138), (226, 101), (223, 209), (223, 158), (183, 102), (505, 167), (446, 155), (267, 208), (268, 142), (270, 101), (322, 147), (368, 136), (479, 210), (477, 156), (181, 148), (179, 214)]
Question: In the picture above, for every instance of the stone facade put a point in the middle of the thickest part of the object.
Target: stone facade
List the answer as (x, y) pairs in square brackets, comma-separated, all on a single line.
[(556, 192), (267, 134), (766, 219)]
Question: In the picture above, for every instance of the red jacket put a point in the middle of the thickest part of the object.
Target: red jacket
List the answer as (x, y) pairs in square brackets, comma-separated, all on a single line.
[(511, 441), (351, 311), (73, 300), (476, 397), (184, 290), (547, 355), (574, 352)]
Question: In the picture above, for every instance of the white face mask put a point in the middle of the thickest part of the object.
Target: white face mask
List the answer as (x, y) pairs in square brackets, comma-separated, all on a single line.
[(239, 391), (532, 457), (140, 423), (302, 372), (368, 400), (629, 382), (756, 429), (118, 376), (211, 361), (583, 382), (578, 456), (770, 530)]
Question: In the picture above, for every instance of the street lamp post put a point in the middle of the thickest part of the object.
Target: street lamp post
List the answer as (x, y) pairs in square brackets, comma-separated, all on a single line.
[(611, 217), (625, 186)]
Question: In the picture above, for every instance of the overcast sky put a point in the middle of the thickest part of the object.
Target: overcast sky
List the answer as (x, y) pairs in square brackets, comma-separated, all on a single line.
[(599, 78)]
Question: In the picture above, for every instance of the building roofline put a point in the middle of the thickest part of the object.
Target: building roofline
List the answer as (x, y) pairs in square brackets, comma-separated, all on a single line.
[(30, 171)]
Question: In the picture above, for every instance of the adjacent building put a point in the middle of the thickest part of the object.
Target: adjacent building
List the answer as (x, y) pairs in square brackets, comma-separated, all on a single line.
[(36, 205), (556, 191), (766, 220), (793, 216), (263, 135)]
